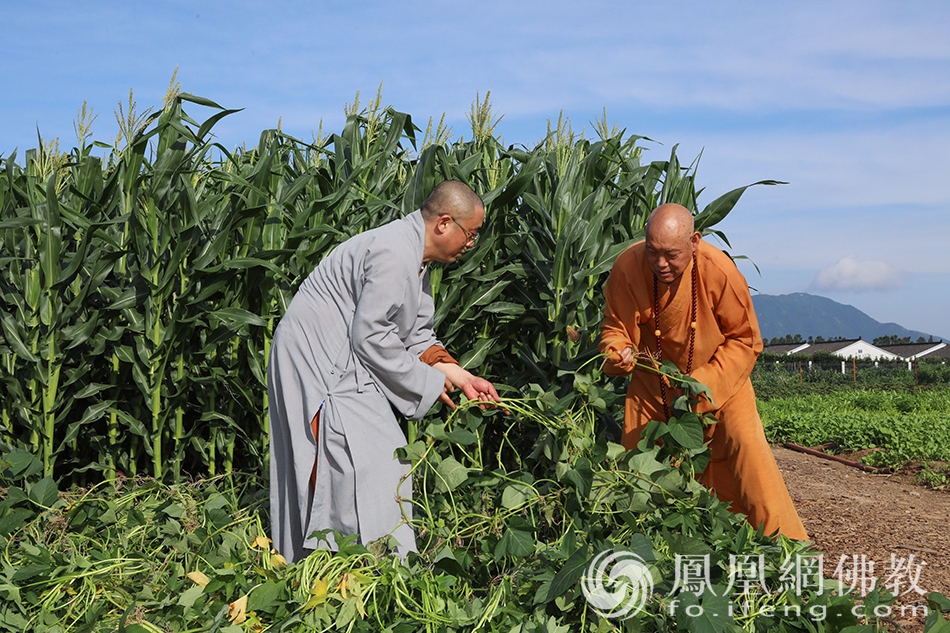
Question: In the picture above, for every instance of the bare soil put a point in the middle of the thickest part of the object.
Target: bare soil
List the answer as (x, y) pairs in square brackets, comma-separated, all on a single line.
[(849, 512)]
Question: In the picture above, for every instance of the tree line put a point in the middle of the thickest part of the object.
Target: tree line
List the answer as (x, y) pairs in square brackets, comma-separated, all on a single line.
[(893, 339)]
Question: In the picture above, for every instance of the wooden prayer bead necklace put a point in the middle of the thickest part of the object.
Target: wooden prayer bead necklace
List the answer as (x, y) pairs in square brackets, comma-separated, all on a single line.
[(692, 332)]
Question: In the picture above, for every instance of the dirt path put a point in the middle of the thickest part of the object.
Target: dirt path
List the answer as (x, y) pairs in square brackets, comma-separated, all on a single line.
[(851, 513)]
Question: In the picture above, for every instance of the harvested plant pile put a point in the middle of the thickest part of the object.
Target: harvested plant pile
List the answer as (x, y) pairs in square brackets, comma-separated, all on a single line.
[(510, 511)]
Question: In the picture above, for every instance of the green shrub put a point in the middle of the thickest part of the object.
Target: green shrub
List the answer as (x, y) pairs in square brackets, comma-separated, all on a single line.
[(905, 426)]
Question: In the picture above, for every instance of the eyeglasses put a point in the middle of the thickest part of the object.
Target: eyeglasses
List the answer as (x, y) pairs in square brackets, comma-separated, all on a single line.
[(470, 235)]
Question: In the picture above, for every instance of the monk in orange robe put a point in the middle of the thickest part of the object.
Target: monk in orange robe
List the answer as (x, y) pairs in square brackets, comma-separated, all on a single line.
[(652, 289)]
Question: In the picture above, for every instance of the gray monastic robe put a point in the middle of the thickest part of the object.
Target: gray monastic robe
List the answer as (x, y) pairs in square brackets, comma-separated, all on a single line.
[(350, 343)]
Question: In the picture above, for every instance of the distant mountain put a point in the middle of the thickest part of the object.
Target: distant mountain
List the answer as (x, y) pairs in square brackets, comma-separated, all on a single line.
[(811, 315)]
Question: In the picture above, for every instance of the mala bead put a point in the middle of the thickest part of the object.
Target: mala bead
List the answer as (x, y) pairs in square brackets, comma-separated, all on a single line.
[(692, 333)]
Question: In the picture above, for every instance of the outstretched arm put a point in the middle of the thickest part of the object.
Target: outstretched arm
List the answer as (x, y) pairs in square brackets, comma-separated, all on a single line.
[(617, 340), (386, 283), (474, 387)]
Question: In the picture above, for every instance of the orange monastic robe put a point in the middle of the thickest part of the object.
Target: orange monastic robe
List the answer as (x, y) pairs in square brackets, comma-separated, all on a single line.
[(742, 469)]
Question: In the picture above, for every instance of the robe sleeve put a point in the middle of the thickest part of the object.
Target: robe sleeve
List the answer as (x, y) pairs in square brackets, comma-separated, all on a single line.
[(422, 341), (422, 337), (734, 359), (437, 354), (619, 329), (412, 387)]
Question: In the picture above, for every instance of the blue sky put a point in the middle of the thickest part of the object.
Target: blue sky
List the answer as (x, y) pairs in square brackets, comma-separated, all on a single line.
[(849, 102)]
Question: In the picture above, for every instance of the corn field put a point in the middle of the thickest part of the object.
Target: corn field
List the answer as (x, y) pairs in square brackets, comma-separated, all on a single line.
[(139, 291)]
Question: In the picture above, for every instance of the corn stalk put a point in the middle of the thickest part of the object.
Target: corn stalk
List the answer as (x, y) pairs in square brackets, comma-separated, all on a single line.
[(140, 293)]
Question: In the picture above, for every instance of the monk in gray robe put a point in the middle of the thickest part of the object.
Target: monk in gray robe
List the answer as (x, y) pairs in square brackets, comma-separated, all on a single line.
[(356, 343)]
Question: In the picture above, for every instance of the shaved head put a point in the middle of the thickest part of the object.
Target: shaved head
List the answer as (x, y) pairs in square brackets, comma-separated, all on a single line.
[(671, 240), (671, 221), (453, 214), (453, 198)]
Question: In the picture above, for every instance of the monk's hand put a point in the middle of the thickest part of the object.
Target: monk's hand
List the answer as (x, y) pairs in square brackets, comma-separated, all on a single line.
[(474, 387), (626, 356), (483, 391), (444, 397)]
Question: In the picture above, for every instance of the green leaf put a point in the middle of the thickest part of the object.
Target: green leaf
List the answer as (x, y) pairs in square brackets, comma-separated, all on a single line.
[(139, 627), (13, 336), (672, 482), (186, 96), (211, 121), (686, 545), (651, 433), (16, 223), (265, 596), (44, 492), (20, 464), (13, 520), (412, 452), (642, 547), (476, 356), (127, 299), (485, 296), (938, 601), (505, 307), (709, 615), (347, 613), (188, 596), (696, 388), (516, 543), (11, 593), (936, 623), (237, 317), (716, 210), (615, 451), (570, 573), (516, 494), (436, 430), (26, 572), (134, 424), (451, 474), (92, 414), (639, 501), (174, 510), (447, 561), (687, 431), (462, 437), (459, 436), (645, 464), (581, 476)]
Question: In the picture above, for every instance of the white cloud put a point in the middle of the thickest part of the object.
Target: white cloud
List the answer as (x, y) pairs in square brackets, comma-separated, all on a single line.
[(747, 58), (851, 275)]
